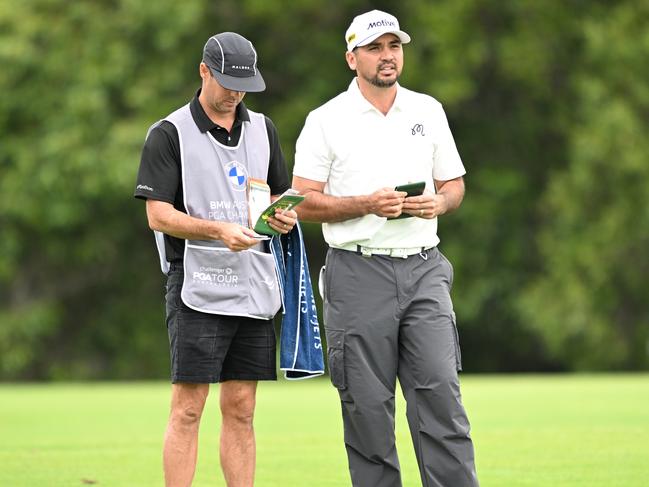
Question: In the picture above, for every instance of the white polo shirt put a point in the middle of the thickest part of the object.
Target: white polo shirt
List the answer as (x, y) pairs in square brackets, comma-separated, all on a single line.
[(355, 149)]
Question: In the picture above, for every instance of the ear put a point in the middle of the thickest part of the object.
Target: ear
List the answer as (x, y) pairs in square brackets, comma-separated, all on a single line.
[(350, 57), (204, 71)]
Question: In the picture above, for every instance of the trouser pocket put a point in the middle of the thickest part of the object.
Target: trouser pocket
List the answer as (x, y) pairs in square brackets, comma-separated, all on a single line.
[(336, 357), (456, 336)]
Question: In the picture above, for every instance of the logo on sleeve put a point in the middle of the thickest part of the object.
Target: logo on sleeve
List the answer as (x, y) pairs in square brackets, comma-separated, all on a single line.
[(144, 187)]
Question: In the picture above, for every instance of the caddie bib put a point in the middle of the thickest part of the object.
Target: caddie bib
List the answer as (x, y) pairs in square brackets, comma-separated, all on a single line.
[(214, 178)]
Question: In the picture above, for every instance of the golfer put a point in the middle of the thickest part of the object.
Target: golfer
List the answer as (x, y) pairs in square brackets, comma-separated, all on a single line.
[(387, 306)]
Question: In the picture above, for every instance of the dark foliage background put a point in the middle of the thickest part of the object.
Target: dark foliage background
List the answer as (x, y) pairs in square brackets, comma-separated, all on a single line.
[(548, 102)]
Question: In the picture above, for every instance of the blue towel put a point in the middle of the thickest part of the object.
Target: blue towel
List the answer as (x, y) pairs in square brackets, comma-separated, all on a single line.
[(300, 347)]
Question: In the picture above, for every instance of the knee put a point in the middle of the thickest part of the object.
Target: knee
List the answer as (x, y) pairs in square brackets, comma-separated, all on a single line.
[(240, 410), (441, 387), (187, 405), (187, 416)]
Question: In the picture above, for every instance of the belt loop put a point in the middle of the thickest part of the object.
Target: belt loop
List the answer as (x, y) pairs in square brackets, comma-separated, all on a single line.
[(364, 251)]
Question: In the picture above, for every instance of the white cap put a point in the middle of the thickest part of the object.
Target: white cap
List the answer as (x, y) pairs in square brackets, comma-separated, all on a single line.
[(370, 25)]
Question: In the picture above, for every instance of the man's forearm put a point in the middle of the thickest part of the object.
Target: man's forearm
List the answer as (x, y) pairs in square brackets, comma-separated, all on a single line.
[(320, 207), (453, 192), (164, 218)]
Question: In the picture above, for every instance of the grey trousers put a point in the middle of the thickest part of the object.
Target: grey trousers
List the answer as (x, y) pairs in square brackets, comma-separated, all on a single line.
[(388, 317)]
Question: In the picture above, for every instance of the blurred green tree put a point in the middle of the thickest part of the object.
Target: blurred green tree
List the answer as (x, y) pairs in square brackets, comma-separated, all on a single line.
[(547, 101), (589, 301), (81, 83)]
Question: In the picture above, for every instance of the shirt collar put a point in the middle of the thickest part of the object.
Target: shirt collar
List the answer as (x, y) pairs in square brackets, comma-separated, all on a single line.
[(363, 105), (204, 123)]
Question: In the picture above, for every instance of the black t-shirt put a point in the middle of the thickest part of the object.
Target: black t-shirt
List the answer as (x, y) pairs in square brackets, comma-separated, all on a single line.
[(159, 175)]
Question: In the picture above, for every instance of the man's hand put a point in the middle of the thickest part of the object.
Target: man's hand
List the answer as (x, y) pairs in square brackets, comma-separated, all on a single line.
[(427, 205), (283, 221), (430, 205), (236, 237), (386, 202)]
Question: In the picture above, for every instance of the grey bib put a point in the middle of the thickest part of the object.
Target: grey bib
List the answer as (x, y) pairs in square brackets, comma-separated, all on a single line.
[(214, 179)]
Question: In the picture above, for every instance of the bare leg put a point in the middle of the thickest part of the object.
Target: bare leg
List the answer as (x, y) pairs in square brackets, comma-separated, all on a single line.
[(237, 433), (181, 438)]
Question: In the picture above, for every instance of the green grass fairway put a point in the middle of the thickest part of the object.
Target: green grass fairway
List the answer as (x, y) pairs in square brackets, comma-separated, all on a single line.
[(546, 431)]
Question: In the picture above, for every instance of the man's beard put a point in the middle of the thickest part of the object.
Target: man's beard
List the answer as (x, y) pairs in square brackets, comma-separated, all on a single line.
[(380, 83), (376, 81)]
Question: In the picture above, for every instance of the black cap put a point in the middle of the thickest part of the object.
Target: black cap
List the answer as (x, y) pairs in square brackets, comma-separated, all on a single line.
[(233, 62)]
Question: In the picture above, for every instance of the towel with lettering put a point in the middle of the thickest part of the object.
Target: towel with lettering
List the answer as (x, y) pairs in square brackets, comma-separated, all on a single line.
[(300, 346)]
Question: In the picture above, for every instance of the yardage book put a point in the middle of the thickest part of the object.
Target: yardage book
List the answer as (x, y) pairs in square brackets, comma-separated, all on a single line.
[(260, 207), (413, 189)]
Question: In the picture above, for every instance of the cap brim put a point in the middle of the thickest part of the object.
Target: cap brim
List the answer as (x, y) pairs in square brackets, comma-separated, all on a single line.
[(249, 84), (403, 37)]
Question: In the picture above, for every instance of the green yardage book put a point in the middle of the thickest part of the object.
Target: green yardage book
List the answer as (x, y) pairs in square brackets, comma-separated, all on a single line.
[(287, 201)]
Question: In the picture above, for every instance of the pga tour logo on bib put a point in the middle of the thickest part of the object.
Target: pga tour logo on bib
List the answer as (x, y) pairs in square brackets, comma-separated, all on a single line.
[(216, 276), (237, 175)]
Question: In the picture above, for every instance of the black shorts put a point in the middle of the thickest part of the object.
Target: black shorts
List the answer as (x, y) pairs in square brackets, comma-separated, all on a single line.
[(208, 348)]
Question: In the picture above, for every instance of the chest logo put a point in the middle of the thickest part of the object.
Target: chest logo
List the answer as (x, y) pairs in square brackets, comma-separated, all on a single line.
[(417, 129), (237, 175)]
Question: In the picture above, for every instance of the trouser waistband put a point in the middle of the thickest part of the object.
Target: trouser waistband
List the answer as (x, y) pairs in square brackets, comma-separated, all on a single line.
[(392, 252)]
